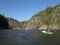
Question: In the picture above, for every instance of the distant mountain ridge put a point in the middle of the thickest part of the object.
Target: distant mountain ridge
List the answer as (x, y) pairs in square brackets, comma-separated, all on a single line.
[(13, 22)]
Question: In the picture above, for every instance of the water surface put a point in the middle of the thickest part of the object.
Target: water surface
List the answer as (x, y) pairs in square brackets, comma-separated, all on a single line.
[(28, 37)]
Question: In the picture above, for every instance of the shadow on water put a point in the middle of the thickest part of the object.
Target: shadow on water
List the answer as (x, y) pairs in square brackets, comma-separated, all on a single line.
[(28, 37)]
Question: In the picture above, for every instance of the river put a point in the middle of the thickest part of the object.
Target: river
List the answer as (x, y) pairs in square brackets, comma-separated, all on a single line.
[(28, 37)]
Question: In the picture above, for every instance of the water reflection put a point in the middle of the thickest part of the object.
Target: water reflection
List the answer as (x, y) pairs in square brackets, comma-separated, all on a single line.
[(28, 37)]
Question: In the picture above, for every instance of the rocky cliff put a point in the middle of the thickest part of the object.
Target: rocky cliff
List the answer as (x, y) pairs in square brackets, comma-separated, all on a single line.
[(13, 23), (48, 17)]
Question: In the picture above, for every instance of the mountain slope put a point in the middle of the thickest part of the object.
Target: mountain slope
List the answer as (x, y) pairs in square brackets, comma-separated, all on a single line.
[(48, 17), (13, 22)]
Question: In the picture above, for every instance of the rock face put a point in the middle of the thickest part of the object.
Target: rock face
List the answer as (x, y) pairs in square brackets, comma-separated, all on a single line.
[(13, 23), (48, 17)]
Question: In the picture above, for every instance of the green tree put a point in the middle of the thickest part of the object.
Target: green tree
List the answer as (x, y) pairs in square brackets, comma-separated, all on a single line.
[(3, 22)]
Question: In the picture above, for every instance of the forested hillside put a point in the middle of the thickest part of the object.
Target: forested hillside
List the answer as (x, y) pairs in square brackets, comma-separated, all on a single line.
[(3, 22), (48, 18)]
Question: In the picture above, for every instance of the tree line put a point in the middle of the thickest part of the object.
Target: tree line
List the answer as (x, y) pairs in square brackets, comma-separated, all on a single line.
[(3, 22)]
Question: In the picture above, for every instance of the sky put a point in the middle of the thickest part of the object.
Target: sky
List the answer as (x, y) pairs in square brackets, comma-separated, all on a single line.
[(23, 10)]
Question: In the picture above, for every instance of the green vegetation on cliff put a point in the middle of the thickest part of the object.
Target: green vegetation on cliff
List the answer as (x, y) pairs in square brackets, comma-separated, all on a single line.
[(46, 19), (50, 17)]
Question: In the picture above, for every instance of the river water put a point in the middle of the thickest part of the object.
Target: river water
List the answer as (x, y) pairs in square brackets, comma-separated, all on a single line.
[(28, 37)]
